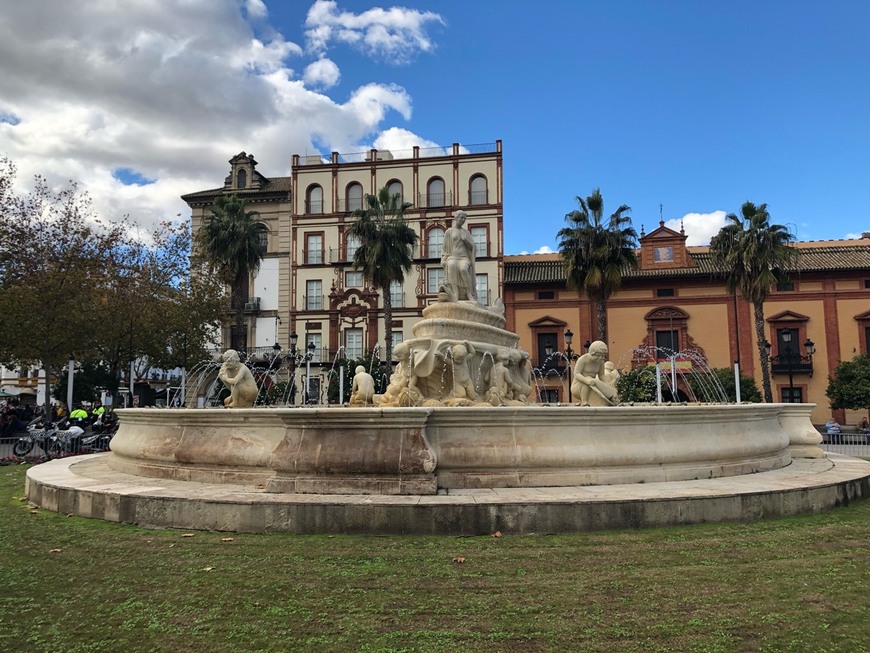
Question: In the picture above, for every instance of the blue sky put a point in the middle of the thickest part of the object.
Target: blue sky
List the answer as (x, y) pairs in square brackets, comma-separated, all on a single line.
[(697, 106)]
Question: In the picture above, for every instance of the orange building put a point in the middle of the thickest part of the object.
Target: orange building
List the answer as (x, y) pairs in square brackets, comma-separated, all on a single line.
[(676, 300)]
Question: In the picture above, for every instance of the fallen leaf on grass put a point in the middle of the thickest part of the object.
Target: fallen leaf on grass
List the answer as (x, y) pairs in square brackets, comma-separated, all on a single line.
[(208, 568), (459, 559), (187, 535), (496, 534), (34, 511), (227, 539), (55, 550)]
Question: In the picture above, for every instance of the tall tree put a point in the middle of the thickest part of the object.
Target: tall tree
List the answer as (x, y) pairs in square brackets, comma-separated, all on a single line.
[(596, 252), (755, 255), (55, 257), (230, 240), (386, 246)]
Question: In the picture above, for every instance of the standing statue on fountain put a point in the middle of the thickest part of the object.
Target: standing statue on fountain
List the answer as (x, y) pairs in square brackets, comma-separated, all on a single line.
[(590, 386), (457, 260)]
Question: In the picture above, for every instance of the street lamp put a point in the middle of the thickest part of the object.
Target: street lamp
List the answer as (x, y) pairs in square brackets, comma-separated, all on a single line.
[(790, 358), (294, 338), (570, 356), (308, 356)]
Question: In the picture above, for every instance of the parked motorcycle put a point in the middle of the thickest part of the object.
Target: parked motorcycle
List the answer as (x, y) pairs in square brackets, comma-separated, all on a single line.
[(51, 438)]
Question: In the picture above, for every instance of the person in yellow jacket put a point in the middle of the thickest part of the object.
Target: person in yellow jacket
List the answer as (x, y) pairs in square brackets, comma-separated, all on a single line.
[(79, 413)]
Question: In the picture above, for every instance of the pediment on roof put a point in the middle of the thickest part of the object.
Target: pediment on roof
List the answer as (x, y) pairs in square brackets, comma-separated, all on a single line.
[(662, 233), (788, 316), (863, 316), (667, 313), (547, 321)]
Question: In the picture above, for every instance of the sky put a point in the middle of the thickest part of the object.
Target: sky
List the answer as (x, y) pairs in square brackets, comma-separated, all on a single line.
[(681, 109)]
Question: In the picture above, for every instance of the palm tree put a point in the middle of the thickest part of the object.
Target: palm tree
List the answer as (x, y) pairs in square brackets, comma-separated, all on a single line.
[(597, 253), (385, 251), (230, 238), (755, 255)]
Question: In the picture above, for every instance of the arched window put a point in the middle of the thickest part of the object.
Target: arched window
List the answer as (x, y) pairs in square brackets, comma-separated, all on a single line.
[(435, 193), (241, 179), (477, 190), (354, 196), (395, 188), (314, 200), (435, 242)]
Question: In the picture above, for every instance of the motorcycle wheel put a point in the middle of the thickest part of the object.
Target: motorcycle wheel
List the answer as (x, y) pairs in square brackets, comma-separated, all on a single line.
[(22, 447), (54, 449)]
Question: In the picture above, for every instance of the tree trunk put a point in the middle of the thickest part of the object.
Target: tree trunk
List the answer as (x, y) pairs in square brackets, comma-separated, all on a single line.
[(601, 314), (765, 363), (388, 326), (239, 335)]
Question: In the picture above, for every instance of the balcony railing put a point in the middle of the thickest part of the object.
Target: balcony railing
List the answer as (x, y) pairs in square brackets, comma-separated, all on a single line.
[(312, 256), (435, 200), (313, 302), (478, 197), (314, 207), (795, 367), (349, 205)]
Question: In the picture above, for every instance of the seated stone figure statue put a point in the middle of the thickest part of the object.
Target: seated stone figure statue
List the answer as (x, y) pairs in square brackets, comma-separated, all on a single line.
[(240, 381), (591, 386), (363, 390)]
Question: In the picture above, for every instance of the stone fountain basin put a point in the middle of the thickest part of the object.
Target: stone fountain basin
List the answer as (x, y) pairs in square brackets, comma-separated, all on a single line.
[(342, 450)]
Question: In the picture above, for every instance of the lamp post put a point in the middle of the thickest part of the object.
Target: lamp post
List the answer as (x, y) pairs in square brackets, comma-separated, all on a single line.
[(570, 356), (294, 338), (308, 356), (70, 369), (790, 358)]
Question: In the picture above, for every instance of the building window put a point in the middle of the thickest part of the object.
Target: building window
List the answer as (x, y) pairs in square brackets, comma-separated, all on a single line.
[(435, 193), (435, 243), (477, 190), (667, 343), (317, 339), (395, 188), (398, 337), (785, 285), (664, 292), (867, 340), (241, 179), (353, 279), (482, 287), (547, 294), (549, 395), (314, 200), (353, 343), (792, 395), (354, 197), (397, 297), (314, 249), (313, 295), (478, 236), (434, 279), (866, 284), (548, 344), (352, 245)]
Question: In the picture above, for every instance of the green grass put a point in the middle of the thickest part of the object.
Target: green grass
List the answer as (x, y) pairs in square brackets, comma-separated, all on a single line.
[(796, 584)]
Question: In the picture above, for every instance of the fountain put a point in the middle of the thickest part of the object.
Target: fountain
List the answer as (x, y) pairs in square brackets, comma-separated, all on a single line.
[(454, 446)]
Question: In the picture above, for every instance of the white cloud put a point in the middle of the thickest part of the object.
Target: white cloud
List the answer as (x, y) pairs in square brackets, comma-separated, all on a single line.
[(852, 236), (169, 89), (544, 249), (396, 34), (323, 73), (700, 227)]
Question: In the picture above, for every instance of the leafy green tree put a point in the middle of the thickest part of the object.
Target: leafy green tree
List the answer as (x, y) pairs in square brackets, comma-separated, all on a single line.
[(55, 257), (637, 385), (229, 240), (88, 380), (385, 252), (596, 252), (850, 385), (755, 255), (724, 378)]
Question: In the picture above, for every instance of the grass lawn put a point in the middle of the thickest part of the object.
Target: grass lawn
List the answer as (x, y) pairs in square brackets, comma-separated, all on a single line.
[(70, 585)]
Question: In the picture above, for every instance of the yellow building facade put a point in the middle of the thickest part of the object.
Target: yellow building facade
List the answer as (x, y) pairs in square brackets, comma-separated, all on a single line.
[(676, 301)]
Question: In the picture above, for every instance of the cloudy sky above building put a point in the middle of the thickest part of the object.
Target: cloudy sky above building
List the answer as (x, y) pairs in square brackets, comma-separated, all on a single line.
[(682, 110)]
